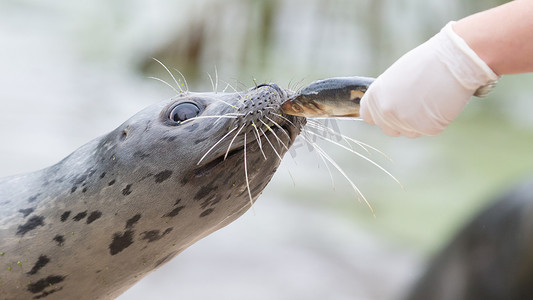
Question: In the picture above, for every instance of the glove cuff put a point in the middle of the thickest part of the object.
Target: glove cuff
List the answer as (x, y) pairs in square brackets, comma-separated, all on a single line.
[(466, 66)]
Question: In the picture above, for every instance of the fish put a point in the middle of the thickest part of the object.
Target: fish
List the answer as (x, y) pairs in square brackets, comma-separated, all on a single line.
[(331, 97)]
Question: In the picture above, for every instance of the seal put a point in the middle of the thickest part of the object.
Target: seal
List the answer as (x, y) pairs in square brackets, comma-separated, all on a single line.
[(491, 257), (129, 201)]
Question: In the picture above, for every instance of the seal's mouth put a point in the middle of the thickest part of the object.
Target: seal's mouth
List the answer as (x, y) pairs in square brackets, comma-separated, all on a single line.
[(288, 131), (258, 126), (206, 169)]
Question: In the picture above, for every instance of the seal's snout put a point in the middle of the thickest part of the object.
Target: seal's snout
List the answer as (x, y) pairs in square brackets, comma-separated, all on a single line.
[(260, 102), (258, 113), (281, 92)]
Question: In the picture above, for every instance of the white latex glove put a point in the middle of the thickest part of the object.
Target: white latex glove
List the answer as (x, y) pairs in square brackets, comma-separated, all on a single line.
[(423, 91)]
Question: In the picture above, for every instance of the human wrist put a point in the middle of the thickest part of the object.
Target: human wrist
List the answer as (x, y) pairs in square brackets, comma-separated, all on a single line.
[(476, 39), (501, 36), (464, 63)]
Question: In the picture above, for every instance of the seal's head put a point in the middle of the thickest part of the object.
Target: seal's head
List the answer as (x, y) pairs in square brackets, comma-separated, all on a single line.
[(129, 201), (215, 146), (212, 153)]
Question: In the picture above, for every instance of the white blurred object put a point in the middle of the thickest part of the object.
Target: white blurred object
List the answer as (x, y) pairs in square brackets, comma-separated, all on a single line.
[(427, 88)]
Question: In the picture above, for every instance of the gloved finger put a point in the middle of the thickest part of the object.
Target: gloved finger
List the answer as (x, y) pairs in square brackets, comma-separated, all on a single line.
[(392, 127), (378, 119), (411, 134), (364, 112), (389, 131)]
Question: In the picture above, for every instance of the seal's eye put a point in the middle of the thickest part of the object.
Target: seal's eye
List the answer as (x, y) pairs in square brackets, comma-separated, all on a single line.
[(184, 111)]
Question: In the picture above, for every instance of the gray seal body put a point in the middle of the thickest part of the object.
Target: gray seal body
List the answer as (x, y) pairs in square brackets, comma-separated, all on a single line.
[(122, 205)]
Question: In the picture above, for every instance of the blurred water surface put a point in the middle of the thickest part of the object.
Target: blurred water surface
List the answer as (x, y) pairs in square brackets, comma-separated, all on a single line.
[(72, 71)]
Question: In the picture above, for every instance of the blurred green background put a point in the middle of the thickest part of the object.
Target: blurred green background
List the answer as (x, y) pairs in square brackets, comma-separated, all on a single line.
[(72, 71)]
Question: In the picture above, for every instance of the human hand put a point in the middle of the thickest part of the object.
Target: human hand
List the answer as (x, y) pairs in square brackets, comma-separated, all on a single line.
[(423, 91)]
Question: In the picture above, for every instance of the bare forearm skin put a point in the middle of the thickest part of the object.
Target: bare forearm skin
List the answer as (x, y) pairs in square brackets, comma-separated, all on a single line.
[(501, 36)]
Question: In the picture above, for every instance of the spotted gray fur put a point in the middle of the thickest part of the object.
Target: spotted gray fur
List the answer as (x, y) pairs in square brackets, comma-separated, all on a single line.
[(120, 206)]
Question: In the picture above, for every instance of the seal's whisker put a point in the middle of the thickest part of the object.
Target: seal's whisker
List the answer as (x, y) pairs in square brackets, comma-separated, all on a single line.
[(358, 154), (216, 79), (275, 135), (258, 139), (277, 125), (289, 85), (270, 129), (268, 140), (218, 142), (310, 142), (356, 189), (234, 114), (218, 120), (295, 85), (171, 75), (211, 117), (273, 109), (208, 117), (212, 83), (339, 118), (233, 139), (287, 120), (363, 145), (163, 81), (222, 101), (224, 90), (224, 116), (241, 84), (231, 86), (320, 127), (184, 80), (292, 178), (246, 175)]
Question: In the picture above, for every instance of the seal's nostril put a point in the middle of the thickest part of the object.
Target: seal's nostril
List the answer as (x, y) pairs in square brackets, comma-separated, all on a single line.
[(274, 86), (262, 85), (124, 135)]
